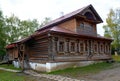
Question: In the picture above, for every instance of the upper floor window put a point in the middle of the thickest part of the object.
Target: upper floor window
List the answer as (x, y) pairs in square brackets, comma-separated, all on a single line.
[(85, 26), (88, 27), (82, 25)]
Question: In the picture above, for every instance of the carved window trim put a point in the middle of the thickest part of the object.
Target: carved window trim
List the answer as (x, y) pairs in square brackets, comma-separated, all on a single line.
[(101, 48), (81, 47), (72, 47), (77, 46), (86, 45), (67, 47), (61, 46), (56, 43), (95, 48)]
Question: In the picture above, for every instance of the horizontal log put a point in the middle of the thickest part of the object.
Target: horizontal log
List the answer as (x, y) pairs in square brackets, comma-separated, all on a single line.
[(40, 41), (37, 53), (45, 56), (39, 49), (39, 46), (39, 60)]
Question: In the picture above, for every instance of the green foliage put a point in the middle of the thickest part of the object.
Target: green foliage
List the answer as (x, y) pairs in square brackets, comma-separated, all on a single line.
[(112, 28), (45, 21), (17, 29), (2, 35)]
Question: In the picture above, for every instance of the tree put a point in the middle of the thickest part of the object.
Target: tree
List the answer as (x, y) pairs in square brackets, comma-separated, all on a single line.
[(45, 21), (28, 27), (13, 28), (17, 29), (2, 35), (112, 28)]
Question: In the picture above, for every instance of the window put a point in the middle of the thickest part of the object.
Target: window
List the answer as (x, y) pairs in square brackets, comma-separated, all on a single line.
[(89, 15), (61, 46), (88, 27), (101, 47), (77, 47), (67, 46), (72, 47), (81, 47), (107, 48), (56, 49), (86, 45), (22, 47), (95, 47), (82, 25)]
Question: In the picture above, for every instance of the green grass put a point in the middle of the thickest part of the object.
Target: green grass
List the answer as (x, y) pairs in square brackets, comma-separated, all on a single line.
[(116, 58), (82, 71), (9, 67), (10, 76)]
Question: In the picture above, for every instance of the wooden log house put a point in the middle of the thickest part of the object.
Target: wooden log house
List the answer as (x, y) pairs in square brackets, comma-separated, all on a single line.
[(66, 41)]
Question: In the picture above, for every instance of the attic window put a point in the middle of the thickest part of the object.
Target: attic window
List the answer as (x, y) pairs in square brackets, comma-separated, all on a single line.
[(89, 16)]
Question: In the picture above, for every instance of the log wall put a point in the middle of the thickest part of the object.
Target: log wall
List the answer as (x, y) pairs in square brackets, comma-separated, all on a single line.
[(38, 49), (76, 49), (13, 53)]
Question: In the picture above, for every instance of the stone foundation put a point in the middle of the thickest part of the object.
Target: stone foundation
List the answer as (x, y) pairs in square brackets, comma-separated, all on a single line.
[(48, 67)]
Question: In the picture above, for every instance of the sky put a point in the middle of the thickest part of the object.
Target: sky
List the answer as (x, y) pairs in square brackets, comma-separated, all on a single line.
[(39, 9)]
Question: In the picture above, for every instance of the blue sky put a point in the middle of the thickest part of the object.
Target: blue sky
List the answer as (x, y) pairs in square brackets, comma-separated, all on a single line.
[(39, 9)]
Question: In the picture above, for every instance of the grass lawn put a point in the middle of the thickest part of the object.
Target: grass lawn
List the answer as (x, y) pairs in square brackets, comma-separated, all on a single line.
[(10, 67), (82, 71), (10, 76), (116, 58)]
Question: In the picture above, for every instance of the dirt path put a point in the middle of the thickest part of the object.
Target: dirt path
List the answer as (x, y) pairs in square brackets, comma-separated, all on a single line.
[(107, 75), (9, 70)]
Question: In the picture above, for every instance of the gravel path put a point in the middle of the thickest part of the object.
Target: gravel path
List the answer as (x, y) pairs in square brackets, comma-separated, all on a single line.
[(49, 76)]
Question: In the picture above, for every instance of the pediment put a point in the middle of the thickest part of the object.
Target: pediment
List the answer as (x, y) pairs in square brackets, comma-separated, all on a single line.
[(90, 13)]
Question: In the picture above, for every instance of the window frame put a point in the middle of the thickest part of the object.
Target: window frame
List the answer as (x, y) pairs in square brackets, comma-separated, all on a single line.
[(61, 47)]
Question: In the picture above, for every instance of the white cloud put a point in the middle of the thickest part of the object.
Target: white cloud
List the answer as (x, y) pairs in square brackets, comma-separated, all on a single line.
[(29, 9)]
